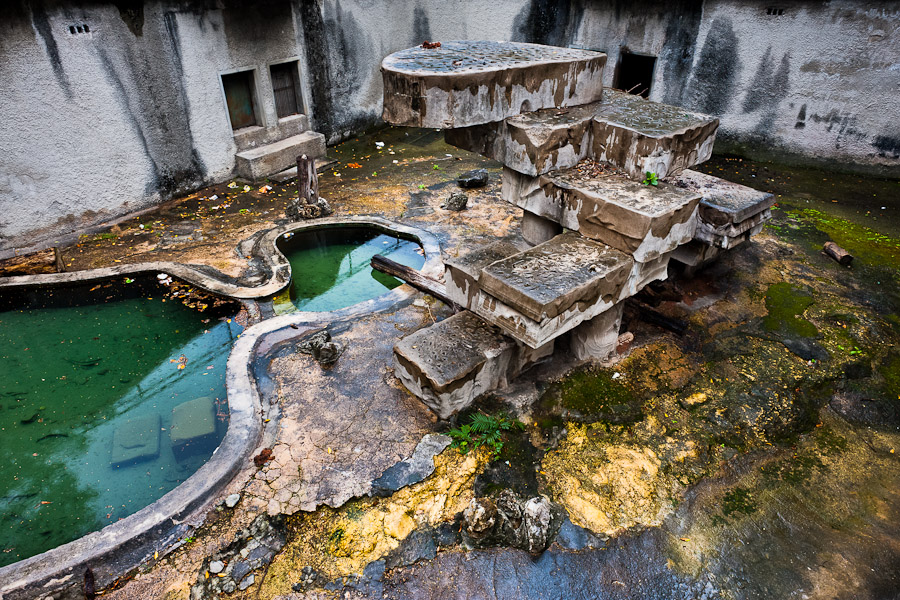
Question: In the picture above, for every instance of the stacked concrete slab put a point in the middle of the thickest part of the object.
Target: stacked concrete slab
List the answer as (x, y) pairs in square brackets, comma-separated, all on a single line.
[(593, 234)]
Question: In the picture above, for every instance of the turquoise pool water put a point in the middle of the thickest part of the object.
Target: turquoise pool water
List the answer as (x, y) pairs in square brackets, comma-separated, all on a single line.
[(72, 379), (330, 267)]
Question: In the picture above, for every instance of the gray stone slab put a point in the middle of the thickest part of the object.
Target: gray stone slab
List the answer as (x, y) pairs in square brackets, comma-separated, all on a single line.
[(642, 220), (724, 235), (548, 279), (412, 470), (135, 441), (452, 362), (724, 203), (638, 135), (644, 273), (261, 161), (597, 338), (532, 143), (461, 273), (464, 83)]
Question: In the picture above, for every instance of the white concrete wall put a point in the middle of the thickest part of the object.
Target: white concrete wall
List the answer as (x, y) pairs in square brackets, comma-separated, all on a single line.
[(100, 124)]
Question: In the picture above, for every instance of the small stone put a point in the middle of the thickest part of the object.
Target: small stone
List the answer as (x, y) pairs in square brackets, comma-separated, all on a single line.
[(216, 567), (232, 500), (247, 582), (229, 586), (473, 179), (456, 202)]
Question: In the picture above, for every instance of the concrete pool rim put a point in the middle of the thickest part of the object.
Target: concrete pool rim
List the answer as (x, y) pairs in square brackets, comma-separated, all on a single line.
[(120, 547)]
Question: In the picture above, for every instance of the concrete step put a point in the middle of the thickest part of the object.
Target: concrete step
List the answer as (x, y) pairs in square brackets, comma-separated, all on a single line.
[(451, 363), (257, 163), (643, 221), (467, 83), (633, 134)]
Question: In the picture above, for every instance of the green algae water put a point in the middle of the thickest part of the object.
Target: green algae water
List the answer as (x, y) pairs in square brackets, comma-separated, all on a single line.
[(87, 394), (330, 267)]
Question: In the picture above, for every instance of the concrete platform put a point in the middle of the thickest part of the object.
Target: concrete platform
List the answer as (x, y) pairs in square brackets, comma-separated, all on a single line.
[(724, 203), (462, 273), (638, 135), (135, 441), (641, 220), (634, 134), (259, 162), (464, 83), (453, 362)]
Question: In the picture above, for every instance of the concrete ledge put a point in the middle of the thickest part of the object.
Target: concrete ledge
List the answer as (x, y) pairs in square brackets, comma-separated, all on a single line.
[(257, 163)]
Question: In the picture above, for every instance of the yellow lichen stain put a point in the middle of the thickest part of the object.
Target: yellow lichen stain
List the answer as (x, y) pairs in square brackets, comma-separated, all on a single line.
[(341, 542)]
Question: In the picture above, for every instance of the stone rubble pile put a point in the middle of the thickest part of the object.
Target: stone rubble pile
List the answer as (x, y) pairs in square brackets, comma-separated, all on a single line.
[(608, 198)]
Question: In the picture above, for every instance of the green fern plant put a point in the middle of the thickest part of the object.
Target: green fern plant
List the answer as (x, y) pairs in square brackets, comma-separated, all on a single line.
[(483, 430)]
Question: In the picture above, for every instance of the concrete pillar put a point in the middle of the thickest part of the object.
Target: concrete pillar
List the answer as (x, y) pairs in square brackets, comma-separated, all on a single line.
[(597, 338), (537, 230)]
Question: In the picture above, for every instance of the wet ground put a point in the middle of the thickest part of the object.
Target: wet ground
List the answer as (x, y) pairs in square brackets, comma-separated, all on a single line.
[(755, 456)]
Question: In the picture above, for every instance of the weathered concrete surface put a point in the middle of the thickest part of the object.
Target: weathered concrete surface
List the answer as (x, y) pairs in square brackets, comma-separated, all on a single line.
[(640, 136), (454, 361), (468, 83), (261, 161), (597, 339), (537, 230), (550, 278), (640, 220), (463, 272), (722, 202), (634, 134)]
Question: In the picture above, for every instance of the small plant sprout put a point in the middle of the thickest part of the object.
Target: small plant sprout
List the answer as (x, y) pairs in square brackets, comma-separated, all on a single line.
[(483, 430), (650, 178)]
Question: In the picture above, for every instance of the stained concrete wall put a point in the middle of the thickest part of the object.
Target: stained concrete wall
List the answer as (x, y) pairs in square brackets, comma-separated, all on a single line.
[(102, 123)]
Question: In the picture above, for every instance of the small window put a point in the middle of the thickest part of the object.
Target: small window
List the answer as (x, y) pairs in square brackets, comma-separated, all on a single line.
[(284, 86), (635, 73), (775, 12), (239, 97)]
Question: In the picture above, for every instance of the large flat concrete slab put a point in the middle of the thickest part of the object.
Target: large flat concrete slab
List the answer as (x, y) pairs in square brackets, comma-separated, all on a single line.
[(259, 162), (549, 278), (638, 135), (462, 273), (641, 220), (724, 203), (634, 134), (464, 83), (452, 362), (135, 441)]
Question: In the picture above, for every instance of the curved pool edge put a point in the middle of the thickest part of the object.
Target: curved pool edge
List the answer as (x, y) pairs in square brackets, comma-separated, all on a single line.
[(120, 547)]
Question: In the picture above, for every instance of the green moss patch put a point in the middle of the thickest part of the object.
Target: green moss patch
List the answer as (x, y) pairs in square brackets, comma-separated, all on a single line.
[(786, 303)]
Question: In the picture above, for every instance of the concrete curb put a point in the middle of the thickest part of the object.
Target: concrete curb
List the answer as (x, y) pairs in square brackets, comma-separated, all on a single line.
[(121, 546)]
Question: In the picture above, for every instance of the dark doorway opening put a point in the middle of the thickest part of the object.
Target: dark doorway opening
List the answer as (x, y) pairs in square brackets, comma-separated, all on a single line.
[(239, 97), (635, 73), (284, 86)]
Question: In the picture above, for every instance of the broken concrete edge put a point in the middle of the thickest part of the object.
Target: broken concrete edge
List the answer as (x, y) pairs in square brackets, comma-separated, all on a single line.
[(120, 547), (279, 269), (414, 469)]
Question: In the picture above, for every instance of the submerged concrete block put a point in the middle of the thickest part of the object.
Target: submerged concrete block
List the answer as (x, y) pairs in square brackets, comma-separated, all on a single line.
[(634, 134), (597, 339), (135, 441), (638, 135), (452, 362), (259, 162), (193, 428), (641, 220), (464, 83)]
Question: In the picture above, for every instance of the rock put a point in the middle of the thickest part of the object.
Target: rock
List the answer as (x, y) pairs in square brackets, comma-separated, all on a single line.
[(298, 209), (529, 525), (475, 178), (479, 518), (457, 201), (412, 470), (247, 582), (693, 400), (216, 566), (308, 577), (419, 545), (320, 346), (232, 500)]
